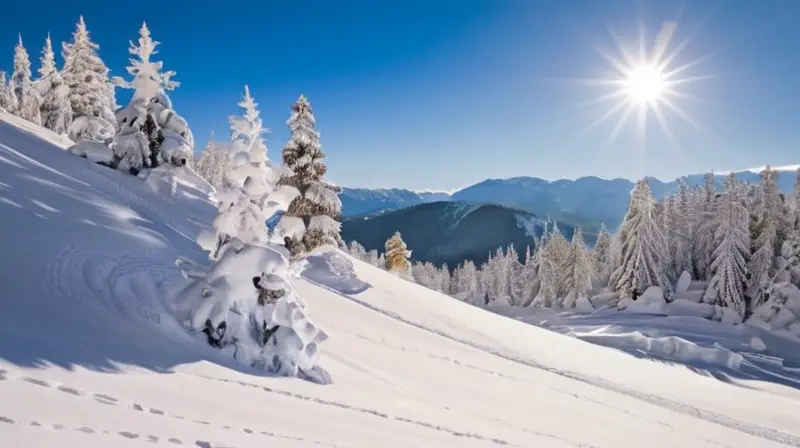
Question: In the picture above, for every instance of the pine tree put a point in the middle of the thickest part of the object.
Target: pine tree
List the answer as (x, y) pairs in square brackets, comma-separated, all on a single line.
[(578, 273), (500, 270), (47, 60), (729, 265), (148, 78), (444, 279), (150, 114), (458, 288), (516, 277), (558, 254), (529, 277), (642, 246), (214, 164), (248, 130), (7, 101), (26, 96), (249, 189), (601, 257), (311, 220), (372, 258), (681, 235), (548, 277), (397, 255), (703, 242), (795, 207), (55, 107), (86, 77), (770, 229), (357, 251)]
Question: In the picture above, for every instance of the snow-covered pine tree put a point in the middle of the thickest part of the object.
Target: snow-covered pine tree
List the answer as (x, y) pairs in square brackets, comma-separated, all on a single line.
[(86, 77), (150, 114), (358, 251), (373, 258), (26, 96), (7, 101), (669, 227), (251, 197), (214, 164), (246, 306), (578, 272), (427, 275), (502, 276), (517, 279), (732, 241), (473, 293), (489, 277), (783, 294), (457, 284), (397, 256), (47, 61), (529, 277), (771, 229), (55, 107), (795, 203), (559, 250), (381, 261), (548, 275), (642, 246), (444, 279), (312, 218), (247, 131), (703, 242), (601, 257), (681, 235)]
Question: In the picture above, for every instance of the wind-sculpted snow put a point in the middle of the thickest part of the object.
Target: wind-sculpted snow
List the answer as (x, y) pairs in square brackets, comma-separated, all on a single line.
[(90, 357), (334, 270)]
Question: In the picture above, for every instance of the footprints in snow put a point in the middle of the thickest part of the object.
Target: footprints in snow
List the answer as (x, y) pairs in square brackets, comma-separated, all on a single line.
[(87, 430), (112, 401)]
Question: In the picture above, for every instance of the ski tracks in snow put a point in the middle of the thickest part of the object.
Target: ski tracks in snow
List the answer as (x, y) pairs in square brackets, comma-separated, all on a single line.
[(703, 414), (105, 399), (131, 286)]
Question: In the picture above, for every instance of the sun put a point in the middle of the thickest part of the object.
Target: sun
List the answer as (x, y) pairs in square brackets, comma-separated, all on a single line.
[(645, 84)]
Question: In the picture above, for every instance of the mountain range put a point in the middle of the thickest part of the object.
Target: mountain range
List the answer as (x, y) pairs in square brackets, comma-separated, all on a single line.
[(587, 201), (451, 232)]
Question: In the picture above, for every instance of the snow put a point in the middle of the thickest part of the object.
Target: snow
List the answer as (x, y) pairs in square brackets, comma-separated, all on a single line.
[(61, 141), (90, 356), (93, 151), (529, 224)]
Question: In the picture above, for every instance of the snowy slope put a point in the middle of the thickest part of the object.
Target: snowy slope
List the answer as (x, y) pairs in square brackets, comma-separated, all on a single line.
[(89, 357)]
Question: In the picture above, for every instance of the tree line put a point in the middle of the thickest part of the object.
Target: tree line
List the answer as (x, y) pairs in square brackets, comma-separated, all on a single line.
[(742, 240)]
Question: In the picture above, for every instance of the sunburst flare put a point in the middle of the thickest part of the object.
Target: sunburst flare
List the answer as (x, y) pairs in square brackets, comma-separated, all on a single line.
[(646, 83)]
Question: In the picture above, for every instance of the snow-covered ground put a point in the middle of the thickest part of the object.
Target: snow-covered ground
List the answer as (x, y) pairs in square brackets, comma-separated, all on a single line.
[(89, 357)]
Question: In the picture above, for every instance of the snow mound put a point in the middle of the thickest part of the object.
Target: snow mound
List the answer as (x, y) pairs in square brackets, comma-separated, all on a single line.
[(335, 270), (93, 151), (670, 348), (683, 307), (177, 181)]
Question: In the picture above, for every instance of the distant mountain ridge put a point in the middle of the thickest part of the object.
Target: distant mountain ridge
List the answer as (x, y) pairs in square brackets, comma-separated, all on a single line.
[(452, 231), (586, 201)]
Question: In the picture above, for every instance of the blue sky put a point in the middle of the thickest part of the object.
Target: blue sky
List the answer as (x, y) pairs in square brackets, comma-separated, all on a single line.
[(440, 94)]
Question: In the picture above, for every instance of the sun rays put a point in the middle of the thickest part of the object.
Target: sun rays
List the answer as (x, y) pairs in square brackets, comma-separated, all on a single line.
[(645, 84)]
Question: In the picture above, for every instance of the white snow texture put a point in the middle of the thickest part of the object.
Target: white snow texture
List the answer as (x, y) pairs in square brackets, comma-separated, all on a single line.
[(94, 352)]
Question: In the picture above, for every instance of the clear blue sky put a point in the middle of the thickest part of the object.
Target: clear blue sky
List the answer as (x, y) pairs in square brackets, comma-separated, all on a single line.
[(439, 94)]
